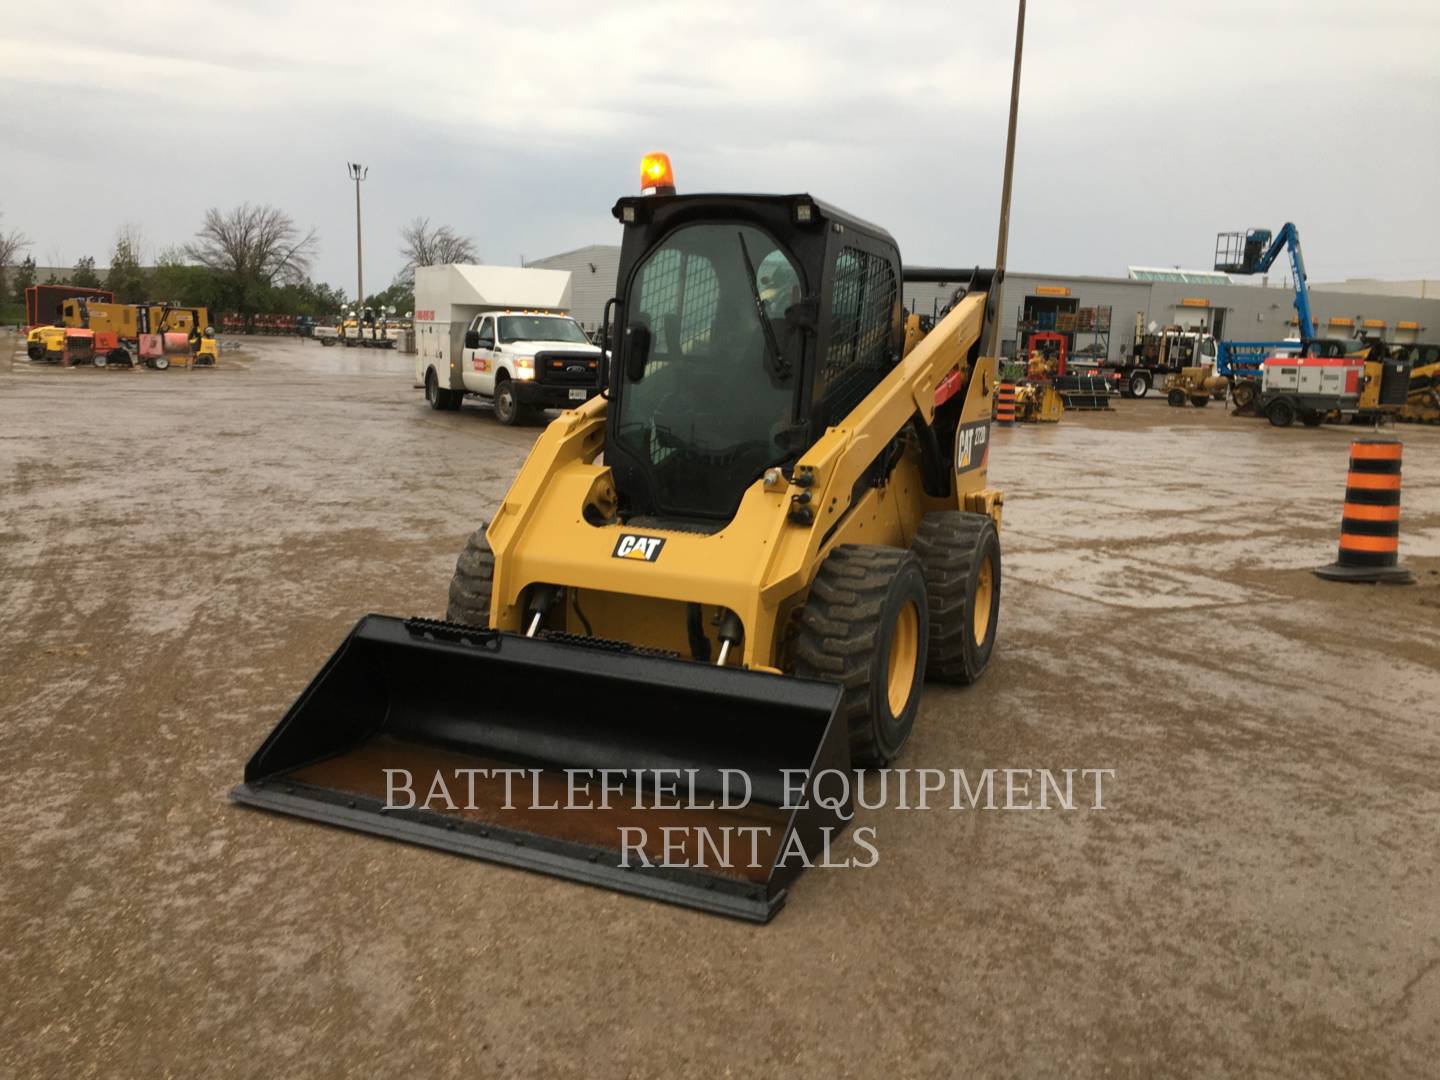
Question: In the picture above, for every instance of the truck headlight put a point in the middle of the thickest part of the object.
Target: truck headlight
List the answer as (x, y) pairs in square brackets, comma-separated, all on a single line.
[(524, 367)]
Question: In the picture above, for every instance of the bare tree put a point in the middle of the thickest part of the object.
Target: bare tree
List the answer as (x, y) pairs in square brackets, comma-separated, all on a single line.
[(11, 245), (425, 246), (253, 246)]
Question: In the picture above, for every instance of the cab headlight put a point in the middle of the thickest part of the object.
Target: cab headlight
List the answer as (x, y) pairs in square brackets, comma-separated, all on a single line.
[(524, 367)]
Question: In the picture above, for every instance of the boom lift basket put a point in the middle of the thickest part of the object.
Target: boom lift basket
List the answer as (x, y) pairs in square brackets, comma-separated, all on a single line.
[(433, 698)]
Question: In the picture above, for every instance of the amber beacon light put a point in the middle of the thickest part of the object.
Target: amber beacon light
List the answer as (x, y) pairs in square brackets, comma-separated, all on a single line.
[(656, 176)]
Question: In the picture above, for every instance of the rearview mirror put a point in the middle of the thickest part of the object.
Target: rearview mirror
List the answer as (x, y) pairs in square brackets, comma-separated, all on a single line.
[(472, 339), (637, 351)]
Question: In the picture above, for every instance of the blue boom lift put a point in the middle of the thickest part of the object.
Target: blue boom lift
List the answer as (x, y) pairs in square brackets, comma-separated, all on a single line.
[(1254, 251)]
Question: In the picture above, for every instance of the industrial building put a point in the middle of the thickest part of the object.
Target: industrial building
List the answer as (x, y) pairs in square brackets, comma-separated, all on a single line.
[(1100, 315)]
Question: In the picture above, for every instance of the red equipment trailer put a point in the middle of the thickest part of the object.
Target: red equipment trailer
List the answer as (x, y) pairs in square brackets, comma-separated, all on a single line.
[(42, 302)]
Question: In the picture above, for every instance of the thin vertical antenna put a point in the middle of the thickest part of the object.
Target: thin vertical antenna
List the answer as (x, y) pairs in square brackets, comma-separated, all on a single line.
[(1004, 241)]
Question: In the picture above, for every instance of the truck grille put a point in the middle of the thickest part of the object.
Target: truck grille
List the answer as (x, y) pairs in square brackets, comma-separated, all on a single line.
[(566, 369)]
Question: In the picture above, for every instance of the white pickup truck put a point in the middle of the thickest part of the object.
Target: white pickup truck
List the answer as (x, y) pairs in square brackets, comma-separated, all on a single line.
[(501, 333)]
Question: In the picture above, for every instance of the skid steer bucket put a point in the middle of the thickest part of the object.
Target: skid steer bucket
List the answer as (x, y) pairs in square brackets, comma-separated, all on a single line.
[(661, 777), (1084, 393)]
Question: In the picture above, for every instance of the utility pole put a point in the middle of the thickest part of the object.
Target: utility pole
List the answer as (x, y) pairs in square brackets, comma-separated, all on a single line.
[(1003, 244), (357, 173)]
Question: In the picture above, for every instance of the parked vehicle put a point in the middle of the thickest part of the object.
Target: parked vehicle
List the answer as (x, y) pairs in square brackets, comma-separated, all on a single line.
[(1315, 387), (503, 334), (1156, 357)]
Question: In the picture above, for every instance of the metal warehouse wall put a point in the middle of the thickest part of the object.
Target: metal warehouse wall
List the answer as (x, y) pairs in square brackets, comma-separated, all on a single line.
[(1251, 312), (593, 271)]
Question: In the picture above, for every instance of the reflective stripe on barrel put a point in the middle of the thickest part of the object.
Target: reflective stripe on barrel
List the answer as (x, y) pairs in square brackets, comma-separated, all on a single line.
[(1005, 403), (1370, 525)]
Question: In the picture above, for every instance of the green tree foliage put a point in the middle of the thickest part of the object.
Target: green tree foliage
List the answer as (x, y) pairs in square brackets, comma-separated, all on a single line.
[(126, 279), (24, 278), (400, 295), (84, 273)]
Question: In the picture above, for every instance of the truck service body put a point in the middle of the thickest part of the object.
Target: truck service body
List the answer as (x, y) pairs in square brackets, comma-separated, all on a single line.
[(501, 333)]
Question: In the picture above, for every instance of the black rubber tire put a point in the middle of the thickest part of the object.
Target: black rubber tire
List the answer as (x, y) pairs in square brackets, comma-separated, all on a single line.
[(1176, 398), (436, 398), (470, 586), (506, 405), (1244, 394), (847, 627), (1311, 418), (1280, 413), (35, 351), (1200, 400), (953, 547), (1139, 384)]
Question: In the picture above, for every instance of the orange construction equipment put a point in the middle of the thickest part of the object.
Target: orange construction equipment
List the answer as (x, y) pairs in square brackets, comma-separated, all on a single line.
[(1370, 525)]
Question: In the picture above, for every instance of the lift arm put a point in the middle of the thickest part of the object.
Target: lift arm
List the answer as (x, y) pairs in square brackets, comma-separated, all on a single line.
[(1288, 239), (1232, 255)]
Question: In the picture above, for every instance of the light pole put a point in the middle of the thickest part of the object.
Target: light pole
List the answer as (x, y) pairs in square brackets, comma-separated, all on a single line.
[(357, 173), (1003, 245)]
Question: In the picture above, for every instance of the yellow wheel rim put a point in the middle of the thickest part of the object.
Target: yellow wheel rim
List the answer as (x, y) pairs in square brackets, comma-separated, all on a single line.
[(904, 657), (984, 590)]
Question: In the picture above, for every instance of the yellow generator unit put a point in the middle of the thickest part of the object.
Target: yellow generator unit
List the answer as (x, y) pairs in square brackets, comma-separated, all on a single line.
[(1197, 385)]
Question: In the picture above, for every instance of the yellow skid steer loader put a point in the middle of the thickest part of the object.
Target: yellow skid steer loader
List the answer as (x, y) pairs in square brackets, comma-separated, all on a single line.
[(709, 587)]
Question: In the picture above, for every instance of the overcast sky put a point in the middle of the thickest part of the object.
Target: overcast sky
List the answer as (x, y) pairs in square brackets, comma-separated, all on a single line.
[(1145, 128)]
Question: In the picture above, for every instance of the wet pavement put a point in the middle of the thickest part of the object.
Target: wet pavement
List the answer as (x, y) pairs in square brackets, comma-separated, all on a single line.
[(180, 551)]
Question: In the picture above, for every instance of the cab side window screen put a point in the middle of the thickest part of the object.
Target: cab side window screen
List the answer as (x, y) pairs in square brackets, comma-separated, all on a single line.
[(679, 298), (860, 355)]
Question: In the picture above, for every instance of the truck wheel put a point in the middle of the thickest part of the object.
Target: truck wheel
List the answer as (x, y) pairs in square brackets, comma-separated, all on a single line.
[(1200, 400), (438, 399), (507, 406), (1139, 384), (960, 555), (1176, 398), (1311, 418), (1280, 413), (1244, 394), (473, 580), (35, 351), (866, 626)]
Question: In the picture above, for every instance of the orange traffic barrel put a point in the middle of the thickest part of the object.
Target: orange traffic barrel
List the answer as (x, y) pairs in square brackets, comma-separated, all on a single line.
[(1370, 525), (1005, 403)]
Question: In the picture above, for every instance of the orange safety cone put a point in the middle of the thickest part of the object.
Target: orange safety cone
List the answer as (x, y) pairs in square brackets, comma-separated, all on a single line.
[(1370, 526), (1005, 403)]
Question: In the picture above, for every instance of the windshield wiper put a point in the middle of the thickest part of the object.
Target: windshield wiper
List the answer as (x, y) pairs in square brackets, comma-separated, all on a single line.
[(777, 365)]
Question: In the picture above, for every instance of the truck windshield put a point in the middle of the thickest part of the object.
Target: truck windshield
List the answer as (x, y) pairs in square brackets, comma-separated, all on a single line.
[(714, 404), (540, 328)]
